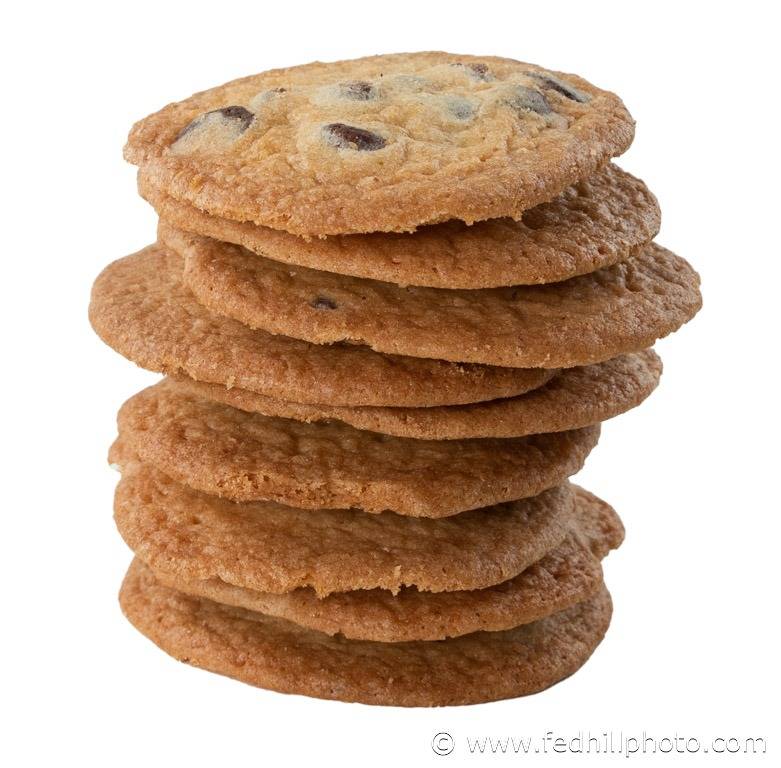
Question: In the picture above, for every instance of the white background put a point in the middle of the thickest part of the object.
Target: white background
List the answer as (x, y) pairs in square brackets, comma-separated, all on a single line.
[(693, 648)]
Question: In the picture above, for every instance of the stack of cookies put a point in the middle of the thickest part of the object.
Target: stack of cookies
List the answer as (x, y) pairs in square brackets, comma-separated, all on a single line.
[(393, 299)]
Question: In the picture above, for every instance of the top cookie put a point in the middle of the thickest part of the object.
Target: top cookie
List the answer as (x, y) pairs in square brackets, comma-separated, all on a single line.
[(383, 143)]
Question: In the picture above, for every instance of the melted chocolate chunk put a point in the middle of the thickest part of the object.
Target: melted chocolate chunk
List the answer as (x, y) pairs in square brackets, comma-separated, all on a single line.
[(323, 302), (344, 136), (555, 84), (528, 100), (242, 116), (358, 90)]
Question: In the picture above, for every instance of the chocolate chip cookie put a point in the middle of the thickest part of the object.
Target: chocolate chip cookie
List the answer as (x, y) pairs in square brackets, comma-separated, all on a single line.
[(140, 308), (594, 223), (583, 320), (383, 143)]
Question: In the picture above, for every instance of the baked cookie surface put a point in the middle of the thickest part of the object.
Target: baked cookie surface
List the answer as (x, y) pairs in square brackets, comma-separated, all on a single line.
[(574, 398), (272, 548), (140, 308), (247, 456), (276, 654), (383, 143), (592, 224), (587, 319), (566, 575)]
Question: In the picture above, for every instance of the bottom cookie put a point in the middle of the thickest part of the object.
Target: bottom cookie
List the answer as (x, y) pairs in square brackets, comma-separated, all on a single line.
[(276, 654)]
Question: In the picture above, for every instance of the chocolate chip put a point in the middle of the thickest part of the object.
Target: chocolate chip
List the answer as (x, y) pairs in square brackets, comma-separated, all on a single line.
[(323, 302), (528, 100), (344, 136), (556, 84), (358, 90), (240, 115)]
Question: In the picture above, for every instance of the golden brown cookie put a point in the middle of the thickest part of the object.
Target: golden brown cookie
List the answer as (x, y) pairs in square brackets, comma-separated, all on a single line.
[(574, 398), (268, 547), (592, 224), (587, 319), (247, 456), (383, 143), (276, 654), (565, 576), (141, 310)]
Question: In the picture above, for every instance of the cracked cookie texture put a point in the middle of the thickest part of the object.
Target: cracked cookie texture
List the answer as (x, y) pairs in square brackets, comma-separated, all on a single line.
[(392, 299)]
